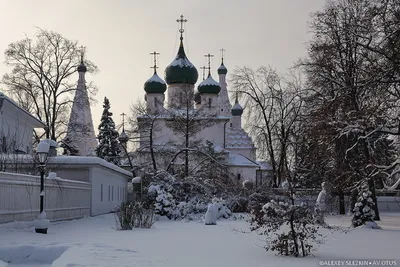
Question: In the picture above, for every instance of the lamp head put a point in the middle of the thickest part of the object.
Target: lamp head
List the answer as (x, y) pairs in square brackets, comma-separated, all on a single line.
[(43, 151)]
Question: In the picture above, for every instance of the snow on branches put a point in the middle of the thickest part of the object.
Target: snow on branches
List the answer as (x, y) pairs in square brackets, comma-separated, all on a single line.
[(289, 228), (363, 209)]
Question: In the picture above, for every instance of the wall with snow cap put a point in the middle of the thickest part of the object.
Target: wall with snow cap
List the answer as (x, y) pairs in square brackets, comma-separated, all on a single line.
[(108, 181), (109, 190), (64, 199)]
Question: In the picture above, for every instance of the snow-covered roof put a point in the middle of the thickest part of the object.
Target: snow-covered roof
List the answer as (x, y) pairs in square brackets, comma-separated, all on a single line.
[(240, 160), (79, 160), (209, 81), (264, 165), (182, 62), (238, 138), (237, 106), (155, 78), (38, 123)]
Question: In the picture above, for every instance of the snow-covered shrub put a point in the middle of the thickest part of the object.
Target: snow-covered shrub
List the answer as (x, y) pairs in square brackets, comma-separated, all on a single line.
[(248, 185), (165, 203), (364, 207), (238, 204), (257, 200), (182, 198), (134, 215), (289, 228), (221, 208)]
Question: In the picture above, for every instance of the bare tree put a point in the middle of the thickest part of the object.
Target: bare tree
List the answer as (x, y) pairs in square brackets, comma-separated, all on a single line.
[(40, 80), (187, 123), (273, 105), (143, 127), (351, 69)]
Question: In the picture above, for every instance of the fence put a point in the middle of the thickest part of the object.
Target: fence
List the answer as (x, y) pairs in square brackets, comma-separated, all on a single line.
[(64, 199)]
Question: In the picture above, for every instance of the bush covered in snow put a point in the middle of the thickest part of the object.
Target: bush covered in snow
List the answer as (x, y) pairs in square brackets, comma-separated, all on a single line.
[(248, 185), (289, 228), (364, 207), (238, 204), (183, 198), (131, 215)]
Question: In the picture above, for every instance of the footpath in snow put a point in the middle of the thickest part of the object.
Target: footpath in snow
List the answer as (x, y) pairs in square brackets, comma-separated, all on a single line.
[(94, 242)]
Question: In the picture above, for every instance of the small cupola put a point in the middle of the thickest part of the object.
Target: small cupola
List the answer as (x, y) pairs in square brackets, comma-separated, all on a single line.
[(237, 109), (155, 85), (209, 86)]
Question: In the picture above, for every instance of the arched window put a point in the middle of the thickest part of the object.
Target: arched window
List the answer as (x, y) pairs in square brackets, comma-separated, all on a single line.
[(239, 176), (209, 102)]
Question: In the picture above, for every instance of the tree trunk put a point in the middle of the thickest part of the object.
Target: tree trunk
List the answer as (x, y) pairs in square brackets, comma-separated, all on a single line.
[(153, 158), (294, 237), (342, 208), (371, 185)]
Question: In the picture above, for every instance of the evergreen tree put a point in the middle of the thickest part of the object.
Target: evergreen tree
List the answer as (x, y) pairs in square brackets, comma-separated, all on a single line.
[(108, 148), (364, 207)]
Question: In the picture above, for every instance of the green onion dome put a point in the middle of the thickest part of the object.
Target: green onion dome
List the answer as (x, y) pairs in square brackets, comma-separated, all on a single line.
[(209, 86), (155, 85), (237, 110), (222, 69), (181, 70), (123, 138)]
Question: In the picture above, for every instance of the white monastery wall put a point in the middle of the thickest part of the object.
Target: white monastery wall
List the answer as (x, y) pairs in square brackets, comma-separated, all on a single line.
[(109, 189), (64, 199)]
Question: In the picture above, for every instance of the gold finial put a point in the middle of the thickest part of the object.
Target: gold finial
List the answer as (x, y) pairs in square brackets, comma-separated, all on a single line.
[(155, 61)]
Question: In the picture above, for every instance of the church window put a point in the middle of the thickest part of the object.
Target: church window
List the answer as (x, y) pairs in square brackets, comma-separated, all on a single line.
[(155, 102), (222, 109), (101, 192), (239, 176), (112, 193), (231, 124), (209, 102)]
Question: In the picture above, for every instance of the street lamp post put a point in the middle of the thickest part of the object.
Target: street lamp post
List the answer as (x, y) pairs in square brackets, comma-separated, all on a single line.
[(42, 153)]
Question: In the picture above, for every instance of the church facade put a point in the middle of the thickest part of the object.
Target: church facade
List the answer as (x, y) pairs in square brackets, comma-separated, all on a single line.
[(180, 117)]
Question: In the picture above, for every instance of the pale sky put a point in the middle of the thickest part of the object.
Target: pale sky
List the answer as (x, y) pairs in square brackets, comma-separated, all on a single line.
[(119, 36)]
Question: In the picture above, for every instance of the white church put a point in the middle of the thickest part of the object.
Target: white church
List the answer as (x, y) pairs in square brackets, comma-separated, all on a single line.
[(208, 103)]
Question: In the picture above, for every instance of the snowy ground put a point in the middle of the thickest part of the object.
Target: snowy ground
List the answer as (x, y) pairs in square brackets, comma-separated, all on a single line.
[(94, 242)]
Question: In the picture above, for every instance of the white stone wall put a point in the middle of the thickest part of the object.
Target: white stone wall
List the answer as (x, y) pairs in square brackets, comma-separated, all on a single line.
[(64, 199), (162, 134), (178, 95), (246, 173), (109, 190), (155, 103)]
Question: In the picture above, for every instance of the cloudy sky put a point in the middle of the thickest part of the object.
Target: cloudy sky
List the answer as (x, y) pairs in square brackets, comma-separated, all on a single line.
[(120, 34)]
